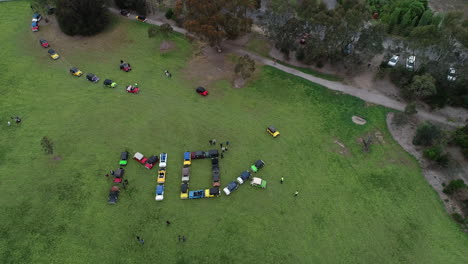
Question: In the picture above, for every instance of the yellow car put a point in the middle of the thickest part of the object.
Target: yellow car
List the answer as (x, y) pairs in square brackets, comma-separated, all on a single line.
[(213, 192), (184, 191), (272, 131), (76, 72), (161, 175), (187, 158), (53, 54)]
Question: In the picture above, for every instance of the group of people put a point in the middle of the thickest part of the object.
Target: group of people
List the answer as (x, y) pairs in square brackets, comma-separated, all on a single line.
[(223, 148), (16, 119)]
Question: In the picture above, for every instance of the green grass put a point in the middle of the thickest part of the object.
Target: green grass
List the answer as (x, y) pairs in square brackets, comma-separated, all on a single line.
[(356, 208)]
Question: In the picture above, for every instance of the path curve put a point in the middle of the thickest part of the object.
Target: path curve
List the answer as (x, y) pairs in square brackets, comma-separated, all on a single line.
[(368, 96)]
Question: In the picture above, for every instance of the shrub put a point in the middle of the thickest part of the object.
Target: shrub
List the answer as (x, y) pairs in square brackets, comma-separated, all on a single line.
[(457, 217), (410, 109), (453, 186), (436, 154), (461, 139), (426, 134), (169, 13)]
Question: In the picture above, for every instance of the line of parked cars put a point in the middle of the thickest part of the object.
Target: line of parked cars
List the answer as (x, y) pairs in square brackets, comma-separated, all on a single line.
[(216, 181), (410, 65), (246, 175), (149, 163), (118, 179)]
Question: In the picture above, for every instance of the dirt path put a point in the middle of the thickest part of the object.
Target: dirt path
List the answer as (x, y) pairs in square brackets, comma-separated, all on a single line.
[(368, 96)]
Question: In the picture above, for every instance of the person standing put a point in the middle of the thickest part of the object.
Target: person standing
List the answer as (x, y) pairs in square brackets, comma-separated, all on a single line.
[(222, 155), (214, 141), (221, 145), (227, 143), (141, 240), (9, 123), (296, 193), (282, 180), (168, 223)]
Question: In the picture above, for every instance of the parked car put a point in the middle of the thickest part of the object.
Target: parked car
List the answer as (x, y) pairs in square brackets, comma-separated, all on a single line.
[(125, 67), (162, 175), (44, 43), (257, 165), (184, 191), (410, 62), (216, 178), (272, 131), (140, 158), (124, 12), (212, 153), (197, 154), (187, 159), (132, 89), (163, 160), (197, 194), (35, 26), (53, 54), (232, 186), (92, 78), (114, 195), (151, 161), (109, 83), (118, 175), (123, 158), (36, 17), (159, 193), (202, 91), (185, 174), (212, 192), (452, 75), (258, 182), (245, 175), (141, 18), (76, 72), (393, 61)]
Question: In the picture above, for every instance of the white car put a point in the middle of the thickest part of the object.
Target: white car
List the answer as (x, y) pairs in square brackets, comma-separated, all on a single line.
[(452, 75), (410, 62), (185, 174), (162, 160), (36, 17), (393, 61), (159, 193)]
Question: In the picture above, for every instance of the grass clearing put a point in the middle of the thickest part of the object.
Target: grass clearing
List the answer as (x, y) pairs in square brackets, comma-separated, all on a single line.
[(357, 208)]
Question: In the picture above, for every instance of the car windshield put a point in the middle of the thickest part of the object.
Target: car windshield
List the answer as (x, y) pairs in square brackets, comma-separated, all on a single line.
[(393, 60)]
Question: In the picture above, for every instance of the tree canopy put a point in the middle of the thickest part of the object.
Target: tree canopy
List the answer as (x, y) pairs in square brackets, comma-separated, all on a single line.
[(82, 17)]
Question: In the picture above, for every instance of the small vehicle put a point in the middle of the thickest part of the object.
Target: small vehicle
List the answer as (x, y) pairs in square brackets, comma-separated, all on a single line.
[(201, 91), (118, 175), (125, 67), (410, 62), (245, 175), (92, 78), (151, 161), (162, 160), (132, 89), (36, 17), (272, 131), (257, 166), (187, 159), (76, 72), (452, 75), (159, 193), (216, 178), (124, 12), (123, 158), (184, 191), (140, 158), (53, 54), (393, 61), (113, 195), (257, 182), (141, 18), (162, 175), (232, 186), (197, 155), (44, 43), (212, 153), (212, 192), (185, 174), (109, 83), (197, 194), (35, 27)]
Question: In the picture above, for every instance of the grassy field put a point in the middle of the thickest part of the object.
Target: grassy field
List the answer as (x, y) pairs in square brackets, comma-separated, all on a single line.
[(353, 207)]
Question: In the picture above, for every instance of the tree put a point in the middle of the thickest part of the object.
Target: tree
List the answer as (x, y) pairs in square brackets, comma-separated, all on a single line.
[(82, 17), (245, 67), (453, 186), (422, 86), (47, 145), (410, 109), (461, 139), (213, 20), (406, 23), (426, 134), (139, 6), (426, 18), (164, 30)]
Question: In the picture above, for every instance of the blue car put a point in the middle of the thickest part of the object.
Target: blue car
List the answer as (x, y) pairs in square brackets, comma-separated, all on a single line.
[(197, 194), (36, 17), (35, 26), (159, 193)]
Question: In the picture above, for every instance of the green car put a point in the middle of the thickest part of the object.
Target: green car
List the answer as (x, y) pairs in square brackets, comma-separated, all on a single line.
[(123, 158), (257, 182), (258, 165)]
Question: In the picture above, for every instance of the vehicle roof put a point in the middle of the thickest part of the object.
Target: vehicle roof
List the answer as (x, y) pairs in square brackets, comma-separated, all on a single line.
[(152, 159), (272, 128), (159, 189), (184, 187), (51, 51), (256, 180), (123, 155), (138, 155), (259, 163), (186, 155)]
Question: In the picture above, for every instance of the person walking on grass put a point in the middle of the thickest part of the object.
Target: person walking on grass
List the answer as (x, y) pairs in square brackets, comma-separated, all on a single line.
[(183, 239), (282, 180), (296, 193), (9, 123), (227, 143), (168, 223), (221, 145), (180, 238), (214, 141), (223, 149), (141, 240), (222, 155)]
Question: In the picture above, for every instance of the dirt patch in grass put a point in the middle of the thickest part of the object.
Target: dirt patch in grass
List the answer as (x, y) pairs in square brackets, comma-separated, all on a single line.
[(449, 5), (166, 46), (342, 149)]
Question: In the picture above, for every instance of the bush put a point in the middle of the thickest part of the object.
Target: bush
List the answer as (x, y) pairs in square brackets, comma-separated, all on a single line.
[(169, 13), (426, 134), (457, 217), (410, 109), (453, 186), (461, 139), (436, 154), (82, 17)]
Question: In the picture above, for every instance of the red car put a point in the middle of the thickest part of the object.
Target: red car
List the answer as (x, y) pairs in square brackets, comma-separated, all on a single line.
[(124, 66), (44, 43), (140, 158), (151, 161), (35, 26), (132, 89), (202, 91)]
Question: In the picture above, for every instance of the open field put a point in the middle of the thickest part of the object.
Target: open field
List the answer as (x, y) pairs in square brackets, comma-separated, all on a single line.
[(353, 207)]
